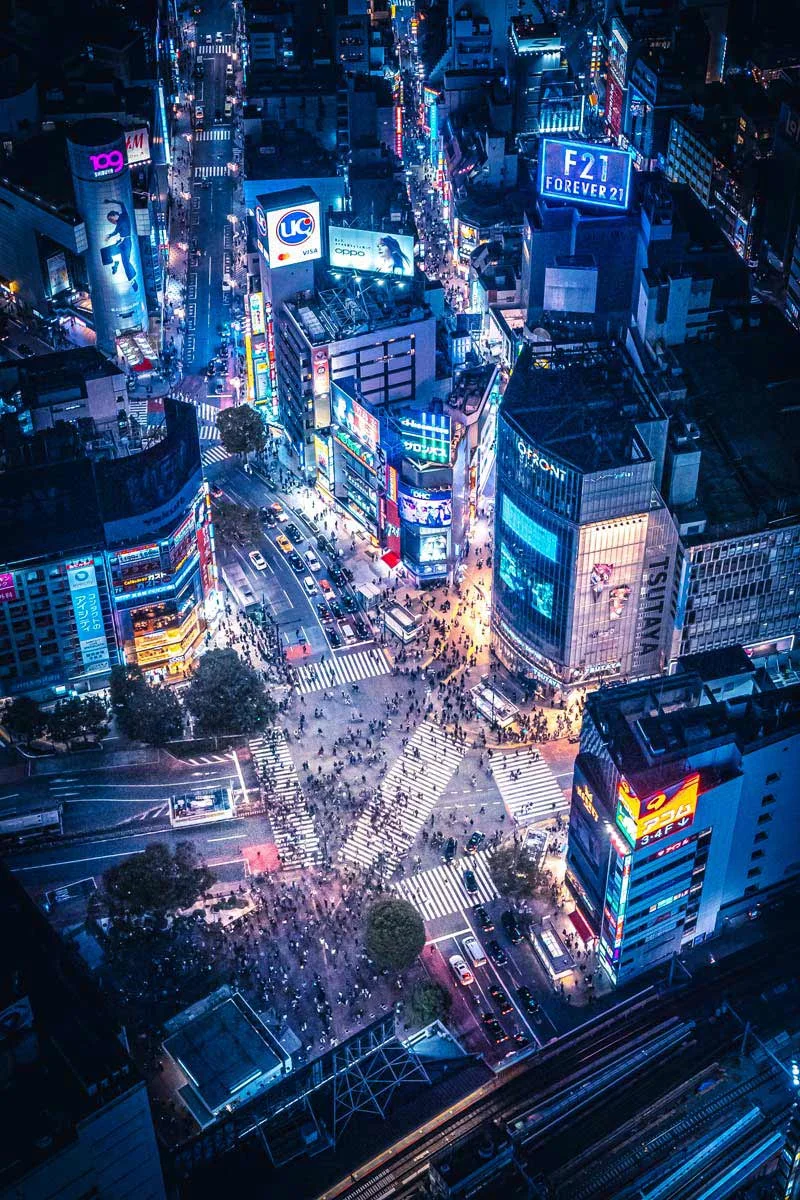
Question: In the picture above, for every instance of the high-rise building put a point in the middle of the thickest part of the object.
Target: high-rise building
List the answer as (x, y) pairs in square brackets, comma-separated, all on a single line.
[(584, 548), (105, 557), (683, 807), (76, 1117)]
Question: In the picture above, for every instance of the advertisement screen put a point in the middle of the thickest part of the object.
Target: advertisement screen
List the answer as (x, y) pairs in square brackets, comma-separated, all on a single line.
[(588, 174), (294, 234), (424, 437), (8, 590), (534, 592), (364, 250), (432, 510), (534, 535), (88, 614), (57, 273), (354, 418), (433, 548), (137, 146), (256, 303), (662, 814)]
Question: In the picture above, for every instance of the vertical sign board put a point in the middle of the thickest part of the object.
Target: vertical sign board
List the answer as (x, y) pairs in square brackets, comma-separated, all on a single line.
[(82, 581)]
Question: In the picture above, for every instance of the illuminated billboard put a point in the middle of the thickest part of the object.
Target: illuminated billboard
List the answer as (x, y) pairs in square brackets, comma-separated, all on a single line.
[(8, 588), (587, 174), (354, 418), (430, 510), (137, 146), (424, 437), (364, 250), (294, 234), (256, 305), (645, 821), (88, 611)]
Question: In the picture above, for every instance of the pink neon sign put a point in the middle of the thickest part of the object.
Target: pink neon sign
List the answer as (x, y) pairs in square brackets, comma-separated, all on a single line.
[(110, 162)]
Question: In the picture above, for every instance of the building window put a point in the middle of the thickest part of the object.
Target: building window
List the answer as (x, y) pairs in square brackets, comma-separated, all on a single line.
[(760, 837), (756, 855), (753, 872), (773, 777), (765, 818), (768, 799)]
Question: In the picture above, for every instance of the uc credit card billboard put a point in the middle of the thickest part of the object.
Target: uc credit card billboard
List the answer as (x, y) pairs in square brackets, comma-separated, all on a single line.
[(365, 250), (294, 234), (585, 173)]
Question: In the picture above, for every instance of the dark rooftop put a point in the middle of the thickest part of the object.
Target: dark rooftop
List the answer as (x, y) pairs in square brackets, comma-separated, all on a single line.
[(44, 372), (39, 170), (718, 664), (222, 1051), (581, 405)]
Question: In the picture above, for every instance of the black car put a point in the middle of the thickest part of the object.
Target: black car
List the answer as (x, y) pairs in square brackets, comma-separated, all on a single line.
[(333, 637), (470, 882), (529, 1002), (497, 953), (297, 564), (361, 629), (293, 533), (520, 1040), (336, 609), (474, 842), (450, 847), (502, 1001), (337, 575), (325, 613), (349, 602), (484, 920), (511, 926), (268, 517), (494, 1028)]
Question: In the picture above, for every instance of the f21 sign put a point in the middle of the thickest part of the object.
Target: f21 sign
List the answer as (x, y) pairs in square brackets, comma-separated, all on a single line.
[(584, 173)]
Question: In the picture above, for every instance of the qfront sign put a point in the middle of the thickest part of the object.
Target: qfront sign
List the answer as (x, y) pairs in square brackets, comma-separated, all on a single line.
[(537, 462), (584, 173)]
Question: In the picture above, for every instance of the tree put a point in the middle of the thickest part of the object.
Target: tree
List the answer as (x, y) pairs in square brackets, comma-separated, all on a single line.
[(24, 718), (146, 712), (429, 1001), (515, 871), (227, 696), (77, 717), (395, 933), (241, 429), (123, 685), (156, 881), (235, 522)]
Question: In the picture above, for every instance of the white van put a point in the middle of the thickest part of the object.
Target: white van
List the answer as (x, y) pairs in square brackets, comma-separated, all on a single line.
[(474, 951), (461, 970)]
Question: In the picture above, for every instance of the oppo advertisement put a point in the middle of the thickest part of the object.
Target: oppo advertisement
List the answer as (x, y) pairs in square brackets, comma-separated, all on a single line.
[(588, 174), (104, 198), (430, 510), (364, 250)]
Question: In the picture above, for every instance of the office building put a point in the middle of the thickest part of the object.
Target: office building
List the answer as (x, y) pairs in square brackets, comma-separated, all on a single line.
[(545, 97), (107, 556), (76, 1117), (683, 808), (69, 385), (584, 548)]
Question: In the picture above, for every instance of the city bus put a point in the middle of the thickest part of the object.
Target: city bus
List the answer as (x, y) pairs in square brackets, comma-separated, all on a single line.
[(28, 824), (400, 622)]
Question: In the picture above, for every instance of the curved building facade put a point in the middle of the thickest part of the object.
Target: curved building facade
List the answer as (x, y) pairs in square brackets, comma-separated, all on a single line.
[(104, 199), (579, 526), (105, 561)]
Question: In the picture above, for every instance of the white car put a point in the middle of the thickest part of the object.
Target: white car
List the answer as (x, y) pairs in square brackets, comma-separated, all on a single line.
[(461, 970), (312, 560), (258, 560), (310, 585)]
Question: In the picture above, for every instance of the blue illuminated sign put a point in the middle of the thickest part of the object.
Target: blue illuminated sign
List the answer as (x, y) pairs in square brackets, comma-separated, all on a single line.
[(585, 173)]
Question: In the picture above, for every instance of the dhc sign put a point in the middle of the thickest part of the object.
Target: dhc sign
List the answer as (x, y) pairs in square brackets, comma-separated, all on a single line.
[(584, 173)]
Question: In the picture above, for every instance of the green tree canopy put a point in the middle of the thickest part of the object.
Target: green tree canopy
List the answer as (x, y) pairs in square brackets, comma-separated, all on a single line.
[(227, 696), (156, 881), (235, 522), (395, 933), (429, 1002), (241, 429), (77, 717), (24, 718), (146, 712), (515, 871)]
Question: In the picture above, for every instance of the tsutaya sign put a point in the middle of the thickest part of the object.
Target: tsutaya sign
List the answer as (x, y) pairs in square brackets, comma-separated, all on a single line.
[(532, 458)]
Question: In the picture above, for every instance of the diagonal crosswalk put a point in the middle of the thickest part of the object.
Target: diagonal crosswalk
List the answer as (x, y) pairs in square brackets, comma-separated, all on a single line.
[(292, 823), (343, 668), (213, 454), (220, 133), (440, 891), (215, 171), (528, 787), (392, 819)]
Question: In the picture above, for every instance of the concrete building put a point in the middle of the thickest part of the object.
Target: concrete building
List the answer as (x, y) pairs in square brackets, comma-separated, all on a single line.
[(69, 385), (76, 1117), (105, 556), (683, 809)]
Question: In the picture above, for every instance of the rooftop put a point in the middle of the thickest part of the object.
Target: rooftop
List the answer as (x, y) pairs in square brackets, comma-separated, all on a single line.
[(45, 373), (750, 470), (287, 154), (39, 171), (469, 387), (580, 403), (223, 1051), (347, 310)]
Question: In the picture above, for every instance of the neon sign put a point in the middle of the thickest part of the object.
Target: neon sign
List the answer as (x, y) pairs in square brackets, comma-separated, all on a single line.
[(532, 458), (110, 162), (587, 800), (595, 175), (646, 821)]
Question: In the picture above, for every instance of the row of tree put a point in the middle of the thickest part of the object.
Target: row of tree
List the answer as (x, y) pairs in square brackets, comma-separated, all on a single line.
[(70, 719)]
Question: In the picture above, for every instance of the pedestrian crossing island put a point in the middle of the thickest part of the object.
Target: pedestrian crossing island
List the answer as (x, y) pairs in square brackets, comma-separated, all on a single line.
[(440, 891)]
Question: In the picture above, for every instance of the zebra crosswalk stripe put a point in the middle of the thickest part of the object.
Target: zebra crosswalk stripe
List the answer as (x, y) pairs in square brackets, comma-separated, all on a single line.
[(393, 818), (440, 891), (208, 432), (343, 668), (534, 795), (207, 49), (220, 134), (292, 825), (213, 454), (215, 171)]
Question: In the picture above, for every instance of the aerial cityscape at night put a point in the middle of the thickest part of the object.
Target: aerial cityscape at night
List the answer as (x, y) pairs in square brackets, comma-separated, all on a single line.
[(400, 599)]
